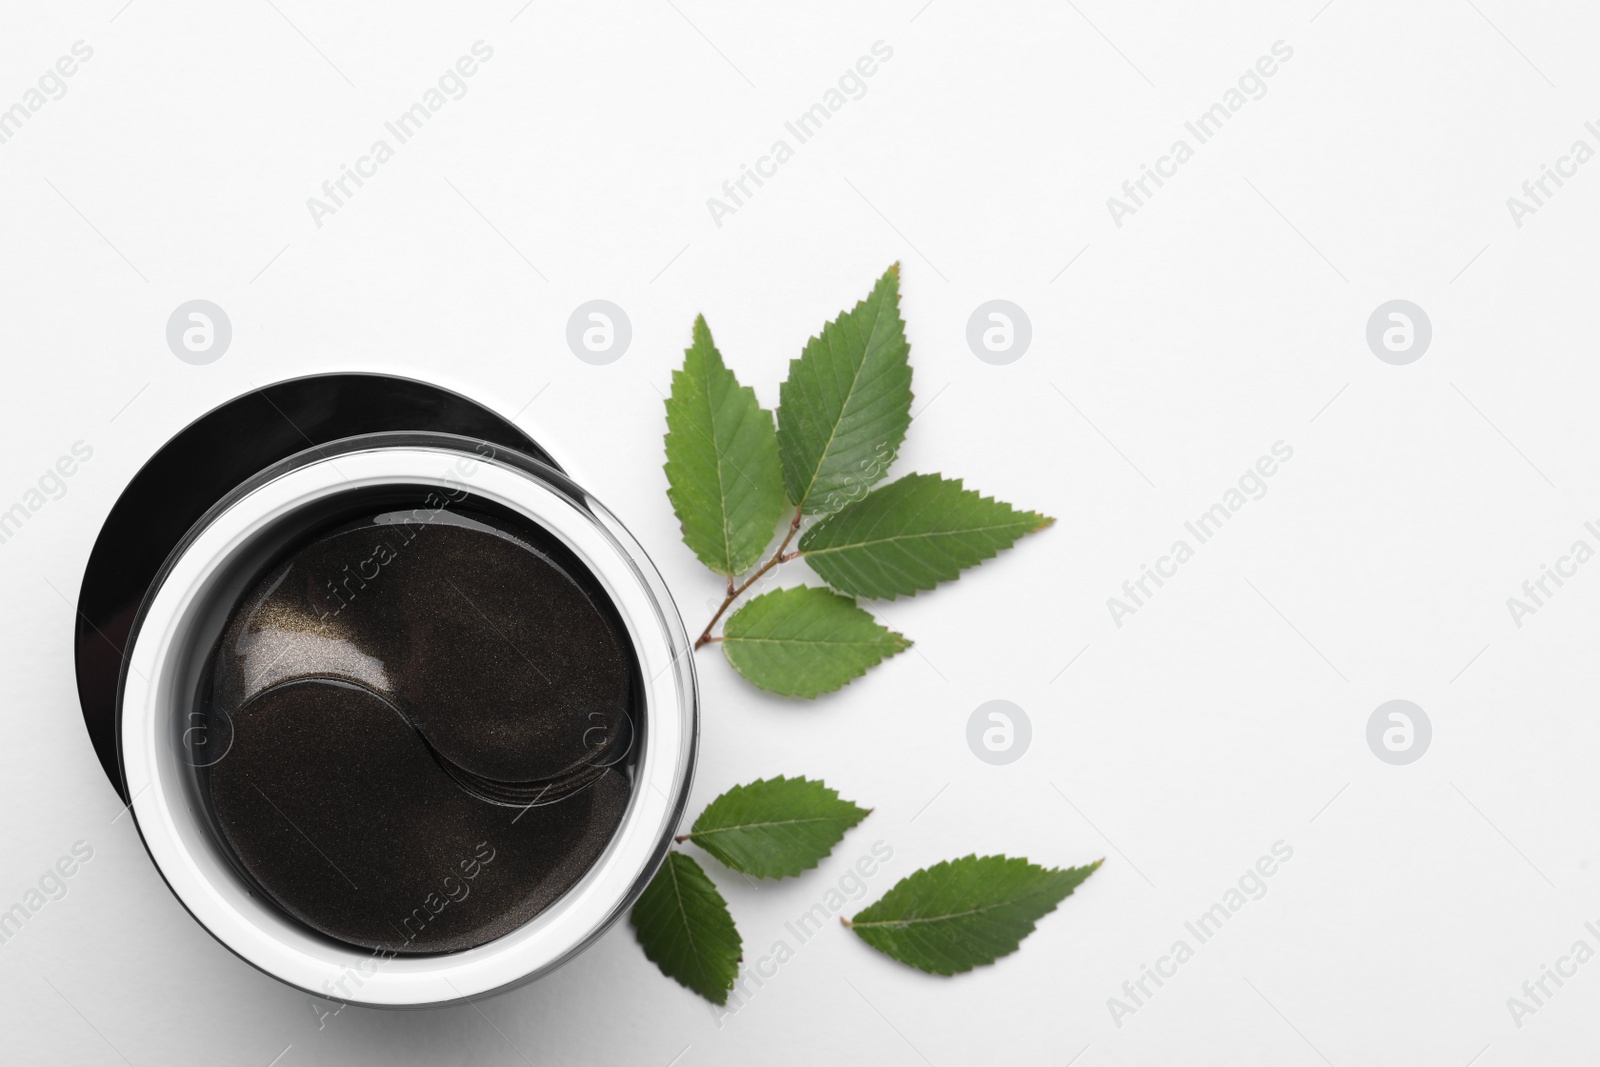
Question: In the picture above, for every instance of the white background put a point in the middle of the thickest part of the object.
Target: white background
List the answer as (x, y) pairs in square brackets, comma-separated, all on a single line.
[(1226, 315)]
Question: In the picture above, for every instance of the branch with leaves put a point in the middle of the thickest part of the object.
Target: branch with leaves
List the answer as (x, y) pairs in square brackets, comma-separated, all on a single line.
[(734, 474), (945, 919), (738, 477)]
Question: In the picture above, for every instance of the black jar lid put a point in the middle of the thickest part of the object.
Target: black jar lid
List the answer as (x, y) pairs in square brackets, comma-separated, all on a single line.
[(203, 463)]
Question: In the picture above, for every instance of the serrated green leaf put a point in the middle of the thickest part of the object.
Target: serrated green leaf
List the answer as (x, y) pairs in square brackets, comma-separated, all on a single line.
[(963, 913), (722, 461), (844, 409), (805, 641), (683, 925), (774, 828), (911, 535)]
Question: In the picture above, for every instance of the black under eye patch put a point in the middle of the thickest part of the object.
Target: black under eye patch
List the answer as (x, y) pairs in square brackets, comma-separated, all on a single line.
[(408, 694)]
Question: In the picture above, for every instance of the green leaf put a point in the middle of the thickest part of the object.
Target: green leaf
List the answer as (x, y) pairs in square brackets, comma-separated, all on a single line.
[(844, 409), (776, 828), (722, 461), (911, 535), (956, 915), (684, 927), (805, 641)]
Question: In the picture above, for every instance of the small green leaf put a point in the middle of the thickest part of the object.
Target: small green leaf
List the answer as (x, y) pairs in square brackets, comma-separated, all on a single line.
[(845, 407), (911, 535), (722, 461), (683, 925), (959, 914), (805, 641), (776, 828)]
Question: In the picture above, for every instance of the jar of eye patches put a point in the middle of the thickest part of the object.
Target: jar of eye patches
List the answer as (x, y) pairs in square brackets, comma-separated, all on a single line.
[(402, 714)]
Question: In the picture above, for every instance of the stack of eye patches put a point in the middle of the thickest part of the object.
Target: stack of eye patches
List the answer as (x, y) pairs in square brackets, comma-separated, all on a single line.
[(431, 724)]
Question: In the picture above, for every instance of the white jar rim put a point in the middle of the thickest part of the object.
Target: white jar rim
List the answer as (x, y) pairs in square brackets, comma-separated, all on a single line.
[(156, 695)]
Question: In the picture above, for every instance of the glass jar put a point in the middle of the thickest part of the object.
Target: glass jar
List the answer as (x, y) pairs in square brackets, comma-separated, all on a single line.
[(165, 749)]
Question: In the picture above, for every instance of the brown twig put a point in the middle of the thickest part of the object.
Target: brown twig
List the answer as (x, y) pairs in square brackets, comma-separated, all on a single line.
[(734, 593)]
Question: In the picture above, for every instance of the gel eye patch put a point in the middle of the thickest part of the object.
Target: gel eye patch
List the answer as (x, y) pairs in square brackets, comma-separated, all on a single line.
[(406, 694)]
